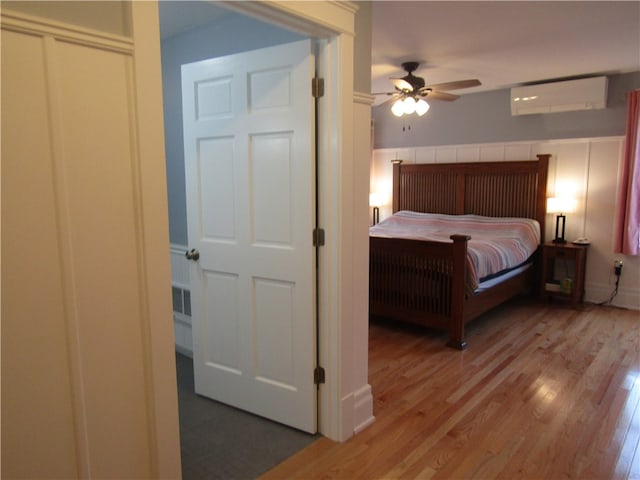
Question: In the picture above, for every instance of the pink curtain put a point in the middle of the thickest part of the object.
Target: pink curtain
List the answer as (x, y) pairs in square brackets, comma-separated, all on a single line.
[(628, 226)]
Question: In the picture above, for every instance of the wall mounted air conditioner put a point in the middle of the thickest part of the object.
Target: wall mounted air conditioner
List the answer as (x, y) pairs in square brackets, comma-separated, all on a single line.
[(583, 94)]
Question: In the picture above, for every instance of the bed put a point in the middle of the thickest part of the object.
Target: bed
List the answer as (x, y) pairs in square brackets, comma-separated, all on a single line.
[(427, 281)]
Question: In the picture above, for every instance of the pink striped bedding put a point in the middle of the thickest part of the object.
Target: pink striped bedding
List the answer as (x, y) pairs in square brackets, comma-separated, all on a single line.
[(496, 244)]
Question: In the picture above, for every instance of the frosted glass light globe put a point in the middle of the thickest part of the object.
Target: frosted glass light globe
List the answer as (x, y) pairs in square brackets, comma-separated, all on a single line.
[(409, 105), (398, 108), (422, 107)]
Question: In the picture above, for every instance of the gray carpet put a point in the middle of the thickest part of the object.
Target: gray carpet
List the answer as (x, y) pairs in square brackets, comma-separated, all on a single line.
[(221, 442)]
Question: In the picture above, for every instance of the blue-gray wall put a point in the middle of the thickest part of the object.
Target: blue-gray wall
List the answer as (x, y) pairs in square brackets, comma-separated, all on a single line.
[(233, 33), (486, 117)]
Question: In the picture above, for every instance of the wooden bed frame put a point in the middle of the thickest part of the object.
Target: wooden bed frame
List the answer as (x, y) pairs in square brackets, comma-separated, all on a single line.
[(423, 282)]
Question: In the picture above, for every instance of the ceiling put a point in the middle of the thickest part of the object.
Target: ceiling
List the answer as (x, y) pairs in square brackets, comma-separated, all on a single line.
[(503, 44)]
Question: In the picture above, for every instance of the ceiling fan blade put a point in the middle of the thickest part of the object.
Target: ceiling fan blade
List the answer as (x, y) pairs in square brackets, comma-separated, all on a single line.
[(384, 93), (456, 85), (434, 94), (401, 84)]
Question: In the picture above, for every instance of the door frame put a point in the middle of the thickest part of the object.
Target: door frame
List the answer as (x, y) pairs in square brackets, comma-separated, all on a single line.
[(344, 401)]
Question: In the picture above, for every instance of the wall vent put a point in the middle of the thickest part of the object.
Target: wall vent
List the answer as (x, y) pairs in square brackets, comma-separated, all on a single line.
[(181, 300)]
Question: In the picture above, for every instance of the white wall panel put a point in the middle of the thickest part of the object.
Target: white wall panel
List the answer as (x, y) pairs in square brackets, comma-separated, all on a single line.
[(570, 178), (492, 153), (79, 390), (179, 266), (38, 437), (184, 342), (468, 154), (601, 202), (98, 160), (425, 155), (519, 151), (446, 155)]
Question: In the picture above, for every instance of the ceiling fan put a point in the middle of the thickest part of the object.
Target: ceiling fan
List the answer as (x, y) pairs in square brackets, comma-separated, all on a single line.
[(411, 90)]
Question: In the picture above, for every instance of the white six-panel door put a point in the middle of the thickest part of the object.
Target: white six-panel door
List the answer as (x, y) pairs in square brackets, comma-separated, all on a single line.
[(250, 174)]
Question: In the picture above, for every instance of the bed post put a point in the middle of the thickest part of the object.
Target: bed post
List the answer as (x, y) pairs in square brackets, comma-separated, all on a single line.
[(395, 205), (541, 213), (456, 328)]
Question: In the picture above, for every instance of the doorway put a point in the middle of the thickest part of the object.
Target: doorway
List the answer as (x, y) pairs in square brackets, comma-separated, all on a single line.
[(218, 38), (345, 400)]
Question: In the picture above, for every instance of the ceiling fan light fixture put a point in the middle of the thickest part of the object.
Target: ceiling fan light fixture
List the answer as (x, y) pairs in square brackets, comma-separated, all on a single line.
[(422, 107), (410, 88), (398, 108), (409, 105)]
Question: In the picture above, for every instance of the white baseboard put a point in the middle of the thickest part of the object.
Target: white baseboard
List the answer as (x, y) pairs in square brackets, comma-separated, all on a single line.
[(625, 298), (363, 409), (357, 412)]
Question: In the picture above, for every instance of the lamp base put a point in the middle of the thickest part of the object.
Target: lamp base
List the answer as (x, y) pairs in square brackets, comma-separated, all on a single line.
[(560, 219), (376, 215)]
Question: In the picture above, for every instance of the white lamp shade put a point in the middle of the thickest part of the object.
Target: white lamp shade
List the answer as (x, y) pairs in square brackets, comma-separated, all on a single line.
[(561, 205), (409, 105), (375, 200), (398, 108), (422, 107)]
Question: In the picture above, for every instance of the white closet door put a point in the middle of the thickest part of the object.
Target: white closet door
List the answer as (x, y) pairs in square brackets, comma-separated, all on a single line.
[(249, 154)]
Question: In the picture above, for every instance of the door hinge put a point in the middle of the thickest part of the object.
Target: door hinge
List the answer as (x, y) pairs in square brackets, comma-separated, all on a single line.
[(317, 87), (318, 375), (318, 237)]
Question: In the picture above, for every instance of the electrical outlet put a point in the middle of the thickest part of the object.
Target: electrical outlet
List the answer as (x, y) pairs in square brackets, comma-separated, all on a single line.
[(617, 267)]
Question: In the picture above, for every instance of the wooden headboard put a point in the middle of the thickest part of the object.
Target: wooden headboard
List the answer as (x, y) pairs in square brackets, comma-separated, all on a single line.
[(492, 189)]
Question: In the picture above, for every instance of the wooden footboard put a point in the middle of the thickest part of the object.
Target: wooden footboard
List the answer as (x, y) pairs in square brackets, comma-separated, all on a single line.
[(424, 283), (420, 282)]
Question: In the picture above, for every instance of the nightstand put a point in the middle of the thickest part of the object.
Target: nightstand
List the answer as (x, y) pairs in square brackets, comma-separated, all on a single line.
[(563, 271)]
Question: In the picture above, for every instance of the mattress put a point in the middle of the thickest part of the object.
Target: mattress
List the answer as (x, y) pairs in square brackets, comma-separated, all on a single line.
[(497, 245)]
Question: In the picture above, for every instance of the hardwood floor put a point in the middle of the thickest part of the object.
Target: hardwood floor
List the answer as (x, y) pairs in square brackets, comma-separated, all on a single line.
[(542, 392)]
